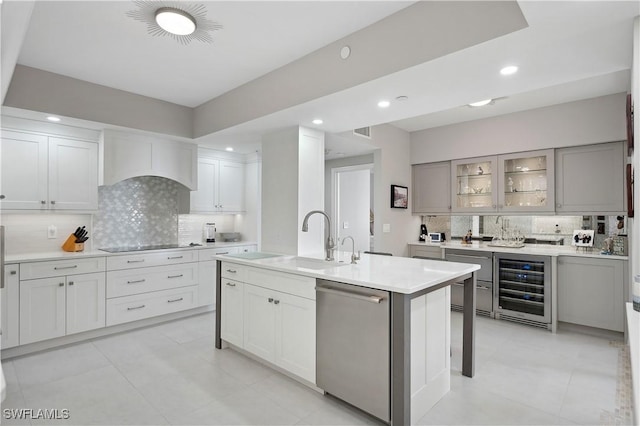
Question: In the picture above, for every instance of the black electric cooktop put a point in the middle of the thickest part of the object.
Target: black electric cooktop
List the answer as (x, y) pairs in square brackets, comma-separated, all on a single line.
[(143, 248)]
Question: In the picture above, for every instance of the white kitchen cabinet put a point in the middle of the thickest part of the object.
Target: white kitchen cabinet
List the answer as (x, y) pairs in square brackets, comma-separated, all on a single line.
[(591, 179), (232, 315), (220, 187), (58, 306), (591, 291), (146, 305), (474, 185), (10, 297), (431, 188), (526, 182), (259, 321), (128, 155), (42, 172)]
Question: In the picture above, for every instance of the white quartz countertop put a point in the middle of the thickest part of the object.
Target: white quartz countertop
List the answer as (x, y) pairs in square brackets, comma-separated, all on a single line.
[(390, 273), (62, 255), (533, 249)]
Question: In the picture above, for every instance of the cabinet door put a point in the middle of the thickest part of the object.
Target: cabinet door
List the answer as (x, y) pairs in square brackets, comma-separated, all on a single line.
[(10, 319), (474, 185), (86, 300), (42, 309), (231, 187), (73, 174), (591, 179), (232, 315), (591, 292), (207, 283), (295, 335), (23, 171), (259, 321), (205, 199), (431, 188), (526, 182)]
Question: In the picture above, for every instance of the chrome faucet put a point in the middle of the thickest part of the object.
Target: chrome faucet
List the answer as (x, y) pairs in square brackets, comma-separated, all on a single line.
[(353, 249), (329, 244)]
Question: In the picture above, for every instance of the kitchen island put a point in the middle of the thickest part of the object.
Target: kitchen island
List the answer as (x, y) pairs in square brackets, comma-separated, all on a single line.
[(418, 318)]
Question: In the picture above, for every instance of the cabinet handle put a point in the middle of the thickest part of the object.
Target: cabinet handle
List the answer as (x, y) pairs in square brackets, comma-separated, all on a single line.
[(231, 284), (175, 257), (70, 282), (2, 197), (43, 202), (136, 281), (483, 287), (175, 300), (175, 276), (53, 202), (270, 300), (135, 261), (61, 285), (136, 307), (222, 252), (233, 271), (57, 268), (13, 272), (275, 302)]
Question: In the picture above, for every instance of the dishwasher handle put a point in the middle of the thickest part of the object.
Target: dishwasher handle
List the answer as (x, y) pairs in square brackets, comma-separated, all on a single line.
[(366, 298)]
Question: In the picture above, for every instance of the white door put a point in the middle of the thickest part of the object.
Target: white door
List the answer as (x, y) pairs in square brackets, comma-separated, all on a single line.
[(352, 205), (10, 296), (86, 301), (205, 198), (23, 171), (231, 187), (232, 316), (42, 309), (259, 321), (295, 335), (73, 174)]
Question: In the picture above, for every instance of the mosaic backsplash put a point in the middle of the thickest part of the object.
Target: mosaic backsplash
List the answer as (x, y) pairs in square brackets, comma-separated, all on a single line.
[(137, 211)]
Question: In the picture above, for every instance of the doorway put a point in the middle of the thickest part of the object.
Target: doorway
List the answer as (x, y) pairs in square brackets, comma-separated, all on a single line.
[(352, 204)]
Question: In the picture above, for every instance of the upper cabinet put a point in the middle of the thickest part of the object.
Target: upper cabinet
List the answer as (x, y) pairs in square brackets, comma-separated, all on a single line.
[(431, 188), (220, 187), (474, 185), (526, 182), (131, 155), (591, 179), (41, 172)]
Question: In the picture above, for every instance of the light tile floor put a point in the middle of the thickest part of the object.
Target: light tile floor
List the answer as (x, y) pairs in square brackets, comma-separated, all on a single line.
[(171, 374)]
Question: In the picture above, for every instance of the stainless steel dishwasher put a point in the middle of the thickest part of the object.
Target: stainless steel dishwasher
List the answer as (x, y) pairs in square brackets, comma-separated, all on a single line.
[(353, 345)]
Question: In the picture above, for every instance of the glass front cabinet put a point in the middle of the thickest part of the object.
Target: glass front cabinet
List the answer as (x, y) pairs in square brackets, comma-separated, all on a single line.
[(521, 182)]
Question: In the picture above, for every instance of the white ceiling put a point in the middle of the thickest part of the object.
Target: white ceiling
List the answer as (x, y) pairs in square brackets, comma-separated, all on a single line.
[(570, 51)]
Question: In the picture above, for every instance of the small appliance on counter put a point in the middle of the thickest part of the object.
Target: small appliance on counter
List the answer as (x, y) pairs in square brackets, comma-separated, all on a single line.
[(209, 232), (423, 233)]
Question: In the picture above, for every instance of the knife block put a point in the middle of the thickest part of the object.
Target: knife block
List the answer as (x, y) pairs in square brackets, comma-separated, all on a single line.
[(71, 245)]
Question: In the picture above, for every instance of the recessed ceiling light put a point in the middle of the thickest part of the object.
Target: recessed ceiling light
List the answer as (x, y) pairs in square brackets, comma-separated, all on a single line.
[(52, 118), (317, 121), (511, 69), (384, 104), (345, 52), (175, 21), (229, 148), (481, 103)]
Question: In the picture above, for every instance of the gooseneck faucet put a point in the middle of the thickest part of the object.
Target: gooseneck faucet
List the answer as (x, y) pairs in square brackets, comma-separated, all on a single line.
[(353, 249), (329, 245)]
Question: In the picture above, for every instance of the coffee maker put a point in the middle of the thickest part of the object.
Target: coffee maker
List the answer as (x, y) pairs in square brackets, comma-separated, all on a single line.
[(423, 233), (209, 232)]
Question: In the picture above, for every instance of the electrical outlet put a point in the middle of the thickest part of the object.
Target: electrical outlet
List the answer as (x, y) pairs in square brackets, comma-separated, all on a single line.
[(345, 225), (52, 232), (386, 227)]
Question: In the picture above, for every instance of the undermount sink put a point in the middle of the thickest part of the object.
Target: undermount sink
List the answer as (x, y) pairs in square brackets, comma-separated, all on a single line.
[(306, 262)]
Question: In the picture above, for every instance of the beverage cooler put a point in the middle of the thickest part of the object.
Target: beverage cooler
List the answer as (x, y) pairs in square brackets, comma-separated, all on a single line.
[(523, 288)]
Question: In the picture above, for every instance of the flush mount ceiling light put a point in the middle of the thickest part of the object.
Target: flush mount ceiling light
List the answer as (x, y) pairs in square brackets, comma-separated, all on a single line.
[(181, 21), (53, 118), (229, 148), (384, 104), (511, 69), (481, 103), (317, 121)]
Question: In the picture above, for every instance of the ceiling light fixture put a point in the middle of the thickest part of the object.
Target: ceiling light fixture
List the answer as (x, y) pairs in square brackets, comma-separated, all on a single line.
[(175, 21), (317, 121), (53, 118), (229, 149), (481, 103), (384, 104), (511, 69)]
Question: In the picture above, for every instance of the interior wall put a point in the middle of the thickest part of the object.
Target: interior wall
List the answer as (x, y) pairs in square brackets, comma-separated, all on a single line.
[(583, 122), (310, 191), (634, 245)]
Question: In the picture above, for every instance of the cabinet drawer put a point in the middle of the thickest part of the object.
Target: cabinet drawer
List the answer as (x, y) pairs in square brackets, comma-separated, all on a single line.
[(58, 268), (428, 252), (297, 285), (209, 254), (142, 260), (142, 280), (234, 271), (486, 263), (140, 306), (484, 296)]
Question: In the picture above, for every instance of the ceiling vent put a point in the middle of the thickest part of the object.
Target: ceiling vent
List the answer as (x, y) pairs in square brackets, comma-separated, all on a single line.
[(365, 132)]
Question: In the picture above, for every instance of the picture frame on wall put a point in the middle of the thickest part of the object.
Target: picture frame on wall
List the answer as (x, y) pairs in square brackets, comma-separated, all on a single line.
[(399, 197)]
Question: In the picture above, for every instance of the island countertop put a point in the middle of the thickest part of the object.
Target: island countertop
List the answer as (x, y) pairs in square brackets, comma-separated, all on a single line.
[(390, 273)]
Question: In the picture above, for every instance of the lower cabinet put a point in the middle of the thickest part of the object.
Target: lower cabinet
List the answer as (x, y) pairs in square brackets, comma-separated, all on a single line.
[(10, 310), (429, 252), (231, 327), (58, 306), (146, 305), (591, 292)]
